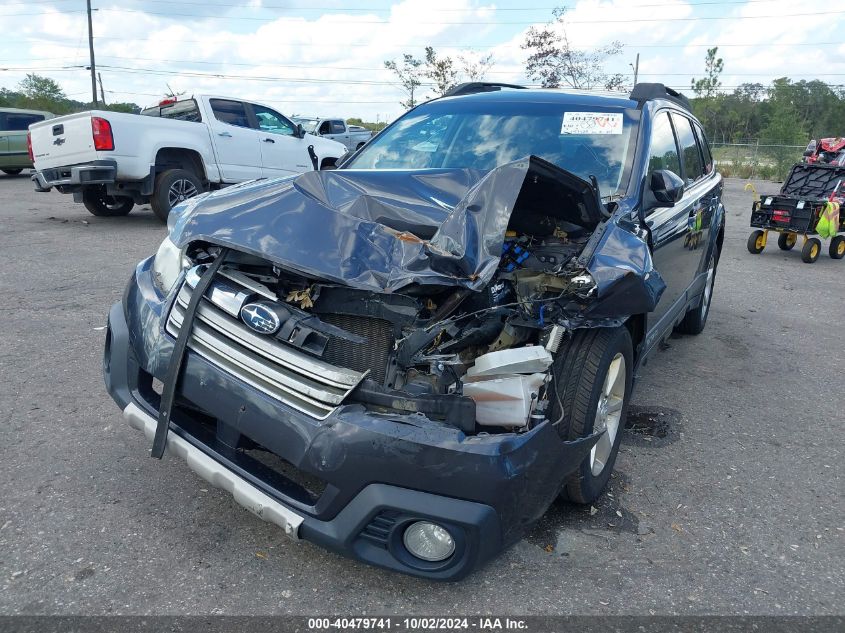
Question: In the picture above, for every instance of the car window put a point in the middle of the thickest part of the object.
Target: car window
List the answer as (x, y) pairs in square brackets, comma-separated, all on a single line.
[(326, 127), (271, 121), (693, 169), (180, 111), (338, 127), (231, 112), (483, 135), (705, 149), (18, 122), (663, 152)]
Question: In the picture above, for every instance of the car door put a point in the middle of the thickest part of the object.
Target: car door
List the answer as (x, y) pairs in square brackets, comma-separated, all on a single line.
[(670, 225), (282, 152), (13, 130), (236, 142), (4, 140), (702, 185), (340, 133)]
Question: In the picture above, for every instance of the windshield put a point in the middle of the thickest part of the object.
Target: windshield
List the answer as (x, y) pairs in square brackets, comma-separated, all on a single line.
[(309, 125), (587, 141)]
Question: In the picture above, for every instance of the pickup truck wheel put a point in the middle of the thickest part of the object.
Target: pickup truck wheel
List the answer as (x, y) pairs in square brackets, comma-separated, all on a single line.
[(172, 187), (99, 203), (12, 172), (592, 377)]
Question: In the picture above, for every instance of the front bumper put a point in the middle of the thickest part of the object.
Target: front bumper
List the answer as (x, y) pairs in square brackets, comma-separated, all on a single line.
[(71, 177), (380, 471)]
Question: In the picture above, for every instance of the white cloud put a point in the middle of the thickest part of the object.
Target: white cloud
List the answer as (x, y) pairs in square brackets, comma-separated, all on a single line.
[(338, 48)]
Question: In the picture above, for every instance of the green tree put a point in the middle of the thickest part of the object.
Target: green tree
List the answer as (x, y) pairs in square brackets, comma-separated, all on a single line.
[(554, 62), (707, 88), (474, 67), (43, 93), (441, 71), (784, 125), (409, 73)]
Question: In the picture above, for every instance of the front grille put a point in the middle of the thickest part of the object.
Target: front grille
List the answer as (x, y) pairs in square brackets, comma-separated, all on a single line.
[(372, 355), (303, 382)]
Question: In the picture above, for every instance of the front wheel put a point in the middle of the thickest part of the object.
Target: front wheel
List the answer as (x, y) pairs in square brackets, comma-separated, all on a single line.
[(592, 379), (12, 172), (99, 203), (836, 250), (811, 250), (756, 242), (172, 187)]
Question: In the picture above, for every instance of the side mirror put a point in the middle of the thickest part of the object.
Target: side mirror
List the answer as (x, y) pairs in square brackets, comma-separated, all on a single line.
[(667, 187), (299, 131)]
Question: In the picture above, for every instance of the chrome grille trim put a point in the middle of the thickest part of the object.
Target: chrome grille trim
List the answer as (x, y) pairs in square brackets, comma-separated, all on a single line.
[(305, 383)]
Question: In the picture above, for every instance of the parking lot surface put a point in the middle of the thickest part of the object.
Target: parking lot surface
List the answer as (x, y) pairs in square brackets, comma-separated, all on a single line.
[(727, 497)]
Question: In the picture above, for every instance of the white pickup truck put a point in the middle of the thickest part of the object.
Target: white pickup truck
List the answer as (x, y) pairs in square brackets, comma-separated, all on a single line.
[(111, 161), (336, 129)]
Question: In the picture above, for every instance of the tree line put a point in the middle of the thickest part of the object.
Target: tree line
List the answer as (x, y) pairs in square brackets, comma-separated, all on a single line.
[(42, 93)]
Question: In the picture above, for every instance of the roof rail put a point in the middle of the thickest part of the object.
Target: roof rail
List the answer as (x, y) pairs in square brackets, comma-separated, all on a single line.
[(643, 92), (473, 87)]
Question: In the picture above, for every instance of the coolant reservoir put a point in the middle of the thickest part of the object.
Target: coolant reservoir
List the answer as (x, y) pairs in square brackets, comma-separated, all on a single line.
[(504, 400)]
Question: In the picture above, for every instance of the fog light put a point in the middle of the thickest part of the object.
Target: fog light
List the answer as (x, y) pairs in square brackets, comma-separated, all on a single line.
[(429, 541)]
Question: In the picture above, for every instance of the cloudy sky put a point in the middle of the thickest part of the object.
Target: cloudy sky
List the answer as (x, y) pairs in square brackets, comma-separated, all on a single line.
[(326, 57)]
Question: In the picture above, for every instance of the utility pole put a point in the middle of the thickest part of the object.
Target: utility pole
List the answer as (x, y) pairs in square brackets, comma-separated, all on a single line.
[(102, 92), (91, 51), (635, 66)]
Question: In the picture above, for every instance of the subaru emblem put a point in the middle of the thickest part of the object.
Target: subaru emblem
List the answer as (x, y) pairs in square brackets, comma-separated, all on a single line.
[(261, 318)]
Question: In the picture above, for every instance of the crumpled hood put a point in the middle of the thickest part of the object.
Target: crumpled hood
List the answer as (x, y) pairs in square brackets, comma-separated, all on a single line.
[(375, 230)]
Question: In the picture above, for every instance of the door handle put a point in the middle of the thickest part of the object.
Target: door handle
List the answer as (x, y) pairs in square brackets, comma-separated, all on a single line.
[(224, 134), (269, 140)]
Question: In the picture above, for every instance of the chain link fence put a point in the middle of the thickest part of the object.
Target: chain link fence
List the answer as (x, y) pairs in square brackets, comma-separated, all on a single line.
[(756, 158)]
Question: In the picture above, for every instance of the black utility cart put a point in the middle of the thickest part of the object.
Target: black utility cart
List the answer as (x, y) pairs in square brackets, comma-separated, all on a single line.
[(796, 209)]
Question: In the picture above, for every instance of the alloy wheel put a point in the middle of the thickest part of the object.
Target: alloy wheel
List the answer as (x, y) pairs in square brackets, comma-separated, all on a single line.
[(609, 413)]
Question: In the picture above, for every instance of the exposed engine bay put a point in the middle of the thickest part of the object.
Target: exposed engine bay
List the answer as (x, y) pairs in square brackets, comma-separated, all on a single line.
[(452, 310)]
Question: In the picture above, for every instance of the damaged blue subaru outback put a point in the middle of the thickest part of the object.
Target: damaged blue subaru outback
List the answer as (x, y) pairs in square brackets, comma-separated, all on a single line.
[(408, 358)]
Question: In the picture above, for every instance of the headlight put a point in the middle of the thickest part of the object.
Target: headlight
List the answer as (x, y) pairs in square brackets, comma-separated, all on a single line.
[(168, 263), (429, 541)]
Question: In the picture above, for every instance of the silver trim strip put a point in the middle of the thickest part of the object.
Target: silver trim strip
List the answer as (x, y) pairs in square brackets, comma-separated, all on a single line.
[(245, 494)]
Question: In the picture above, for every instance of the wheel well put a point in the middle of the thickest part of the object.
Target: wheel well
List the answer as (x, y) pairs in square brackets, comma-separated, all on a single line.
[(329, 161), (636, 328), (180, 158)]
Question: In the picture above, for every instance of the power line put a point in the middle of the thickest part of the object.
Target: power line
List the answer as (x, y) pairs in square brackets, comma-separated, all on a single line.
[(486, 22)]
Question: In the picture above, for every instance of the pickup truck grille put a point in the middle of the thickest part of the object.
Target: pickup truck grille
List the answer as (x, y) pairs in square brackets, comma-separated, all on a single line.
[(301, 381)]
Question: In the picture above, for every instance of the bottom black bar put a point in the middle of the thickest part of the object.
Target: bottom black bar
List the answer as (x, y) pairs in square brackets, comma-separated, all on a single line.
[(408, 623)]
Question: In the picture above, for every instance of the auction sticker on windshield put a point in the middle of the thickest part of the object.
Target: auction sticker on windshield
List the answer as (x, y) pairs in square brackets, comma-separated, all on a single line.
[(591, 123)]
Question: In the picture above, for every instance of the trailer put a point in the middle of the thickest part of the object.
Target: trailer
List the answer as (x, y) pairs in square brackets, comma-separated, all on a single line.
[(795, 212)]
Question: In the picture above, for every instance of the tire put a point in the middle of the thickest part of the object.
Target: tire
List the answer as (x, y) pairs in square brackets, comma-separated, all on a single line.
[(12, 172), (696, 318), (836, 250), (755, 242), (811, 250), (172, 187), (359, 146), (580, 374), (99, 203), (786, 241)]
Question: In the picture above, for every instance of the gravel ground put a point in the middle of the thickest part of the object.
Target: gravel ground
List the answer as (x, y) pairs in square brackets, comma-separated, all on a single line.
[(724, 500)]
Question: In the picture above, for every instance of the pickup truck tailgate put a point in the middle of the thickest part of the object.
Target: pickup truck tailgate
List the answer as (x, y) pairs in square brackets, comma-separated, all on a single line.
[(65, 140)]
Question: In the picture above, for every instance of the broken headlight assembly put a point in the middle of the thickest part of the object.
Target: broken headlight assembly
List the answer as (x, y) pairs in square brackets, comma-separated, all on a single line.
[(168, 263)]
